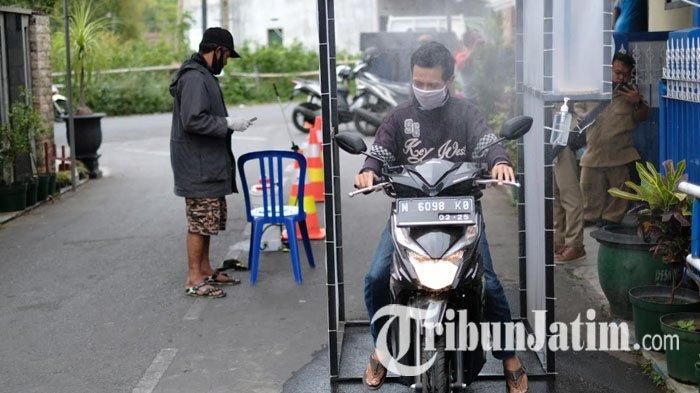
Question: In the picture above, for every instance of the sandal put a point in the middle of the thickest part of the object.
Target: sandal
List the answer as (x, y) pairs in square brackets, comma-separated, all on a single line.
[(375, 371), (234, 264), (209, 291), (515, 380), (227, 280)]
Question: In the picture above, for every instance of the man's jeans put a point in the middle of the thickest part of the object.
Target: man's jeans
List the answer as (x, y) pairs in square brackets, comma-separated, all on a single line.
[(377, 286)]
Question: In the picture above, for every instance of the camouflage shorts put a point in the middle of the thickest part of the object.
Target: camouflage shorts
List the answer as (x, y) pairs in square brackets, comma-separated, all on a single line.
[(205, 216)]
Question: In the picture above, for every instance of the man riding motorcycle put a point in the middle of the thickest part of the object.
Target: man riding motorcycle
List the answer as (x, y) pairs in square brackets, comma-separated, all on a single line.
[(434, 125)]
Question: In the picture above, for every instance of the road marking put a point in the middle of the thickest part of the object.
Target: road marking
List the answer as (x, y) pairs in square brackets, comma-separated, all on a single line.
[(155, 371), (195, 309)]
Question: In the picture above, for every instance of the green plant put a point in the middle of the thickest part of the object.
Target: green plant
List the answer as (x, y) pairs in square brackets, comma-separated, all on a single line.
[(663, 214), (63, 179), (686, 324), (86, 31), (38, 5), (15, 136)]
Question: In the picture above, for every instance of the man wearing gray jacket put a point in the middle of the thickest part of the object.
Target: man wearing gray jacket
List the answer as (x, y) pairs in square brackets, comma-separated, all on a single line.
[(201, 157)]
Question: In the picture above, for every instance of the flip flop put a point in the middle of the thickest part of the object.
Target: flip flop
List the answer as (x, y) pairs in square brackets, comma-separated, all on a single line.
[(212, 280), (210, 292), (234, 264), (514, 378)]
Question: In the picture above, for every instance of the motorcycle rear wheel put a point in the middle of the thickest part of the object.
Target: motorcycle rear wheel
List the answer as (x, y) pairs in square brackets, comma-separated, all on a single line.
[(299, 117)]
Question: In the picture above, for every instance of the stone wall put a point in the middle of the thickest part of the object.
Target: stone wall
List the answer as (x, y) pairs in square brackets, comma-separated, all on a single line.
[(40, 52)]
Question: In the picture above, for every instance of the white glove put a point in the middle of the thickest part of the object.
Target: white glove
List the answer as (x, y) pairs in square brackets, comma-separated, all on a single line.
[(237, 124)]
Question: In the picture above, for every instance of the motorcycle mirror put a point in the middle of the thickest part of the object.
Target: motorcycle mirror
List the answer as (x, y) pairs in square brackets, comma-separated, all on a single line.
[(350, 142), (516, 127)]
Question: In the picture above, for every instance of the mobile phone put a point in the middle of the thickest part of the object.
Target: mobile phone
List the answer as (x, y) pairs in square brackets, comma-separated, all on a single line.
[(252, 119), (625, 86)]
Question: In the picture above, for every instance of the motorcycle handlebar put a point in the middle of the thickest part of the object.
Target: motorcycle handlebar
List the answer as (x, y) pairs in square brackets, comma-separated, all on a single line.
[(495, 181), (369, 189)]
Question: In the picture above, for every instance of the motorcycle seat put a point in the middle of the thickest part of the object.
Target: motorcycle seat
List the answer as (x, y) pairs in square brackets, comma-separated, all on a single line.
[(398, 88)]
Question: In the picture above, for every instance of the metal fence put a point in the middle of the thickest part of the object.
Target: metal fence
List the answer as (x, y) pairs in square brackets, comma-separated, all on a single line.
[(679, 106)]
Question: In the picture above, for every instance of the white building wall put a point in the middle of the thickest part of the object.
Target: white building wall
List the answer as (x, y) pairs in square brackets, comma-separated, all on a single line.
[(251, 19)]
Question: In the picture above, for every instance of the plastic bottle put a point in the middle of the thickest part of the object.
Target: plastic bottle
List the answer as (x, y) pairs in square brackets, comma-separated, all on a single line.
[(561, 125)]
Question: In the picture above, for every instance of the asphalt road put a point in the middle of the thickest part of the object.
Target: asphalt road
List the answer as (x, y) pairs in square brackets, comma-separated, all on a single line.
[(93, 286)]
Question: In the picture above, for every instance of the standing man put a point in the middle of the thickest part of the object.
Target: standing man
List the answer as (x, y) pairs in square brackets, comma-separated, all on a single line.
[(568, 201), (434, 124), (201, 157), (610, 146)]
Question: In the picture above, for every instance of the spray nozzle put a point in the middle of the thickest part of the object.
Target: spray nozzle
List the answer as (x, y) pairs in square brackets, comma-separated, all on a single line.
[(565, 107)]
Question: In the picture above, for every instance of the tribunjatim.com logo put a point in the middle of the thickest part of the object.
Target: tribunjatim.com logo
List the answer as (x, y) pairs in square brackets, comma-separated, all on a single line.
[(461, 334)]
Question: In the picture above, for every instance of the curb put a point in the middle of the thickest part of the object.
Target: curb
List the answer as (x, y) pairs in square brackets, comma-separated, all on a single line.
[(658, 363)]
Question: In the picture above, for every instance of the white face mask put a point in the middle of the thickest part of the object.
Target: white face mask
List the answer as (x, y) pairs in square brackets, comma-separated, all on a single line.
[(430, 99)]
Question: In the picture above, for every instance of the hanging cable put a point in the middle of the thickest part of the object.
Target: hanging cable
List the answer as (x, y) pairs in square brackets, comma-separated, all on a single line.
[(691, 3)]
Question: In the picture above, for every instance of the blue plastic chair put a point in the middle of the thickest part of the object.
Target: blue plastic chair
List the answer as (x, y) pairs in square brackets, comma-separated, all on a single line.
[(273, 210)]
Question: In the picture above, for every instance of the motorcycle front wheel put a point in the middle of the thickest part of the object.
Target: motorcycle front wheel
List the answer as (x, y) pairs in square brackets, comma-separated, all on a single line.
[(301, 114), (437, 378)]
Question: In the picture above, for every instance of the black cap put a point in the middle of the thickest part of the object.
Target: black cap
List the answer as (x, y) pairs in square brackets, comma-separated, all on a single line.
[(221, 37)]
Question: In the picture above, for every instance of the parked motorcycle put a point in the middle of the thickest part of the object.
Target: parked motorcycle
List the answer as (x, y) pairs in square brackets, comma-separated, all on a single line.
[(436, 224), (374, 97), (307, 111), (59, 104)]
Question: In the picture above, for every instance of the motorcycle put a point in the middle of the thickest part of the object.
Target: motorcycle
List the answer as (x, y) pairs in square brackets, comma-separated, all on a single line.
[(307, 111), (59, 104), (374, 98), (436, 224)]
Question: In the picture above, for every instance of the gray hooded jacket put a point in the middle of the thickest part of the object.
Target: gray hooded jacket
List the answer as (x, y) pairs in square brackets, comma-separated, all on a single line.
[(200, 142)]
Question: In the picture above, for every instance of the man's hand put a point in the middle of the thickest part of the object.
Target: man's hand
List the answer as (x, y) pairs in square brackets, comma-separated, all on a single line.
[(632, 94), (503, 172), (237, 124), (365, 179)]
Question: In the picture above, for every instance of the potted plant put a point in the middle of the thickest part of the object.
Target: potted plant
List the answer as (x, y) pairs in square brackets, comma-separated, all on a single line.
[(681, 360), (663, 217), (14, 142), (624, 262), (85, 32)]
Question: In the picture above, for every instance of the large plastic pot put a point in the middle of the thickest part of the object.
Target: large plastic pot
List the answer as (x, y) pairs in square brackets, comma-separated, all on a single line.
[(681, 360), (624, 262), (43, 187), (32, 191), (649, 303), (13, 197)]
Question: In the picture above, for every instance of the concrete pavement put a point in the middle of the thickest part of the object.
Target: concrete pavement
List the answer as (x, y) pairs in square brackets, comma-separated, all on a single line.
[(93, 287)]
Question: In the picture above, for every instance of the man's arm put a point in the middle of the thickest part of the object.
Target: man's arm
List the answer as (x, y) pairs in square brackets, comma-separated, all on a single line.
[(641, 113), (194, 111), (495, 156), (634, 97), (384, 147)]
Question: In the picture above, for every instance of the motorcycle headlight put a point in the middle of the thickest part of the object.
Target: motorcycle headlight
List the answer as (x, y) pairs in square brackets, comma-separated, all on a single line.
[(435, 273)]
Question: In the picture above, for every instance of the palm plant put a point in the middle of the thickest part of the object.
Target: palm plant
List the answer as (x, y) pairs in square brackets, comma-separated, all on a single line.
[(663, 214), (85, 30)]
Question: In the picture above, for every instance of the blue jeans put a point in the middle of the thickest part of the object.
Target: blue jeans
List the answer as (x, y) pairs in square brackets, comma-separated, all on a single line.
[(377, 287)]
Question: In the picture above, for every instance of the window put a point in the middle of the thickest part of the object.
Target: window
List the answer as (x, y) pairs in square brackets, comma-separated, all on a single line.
[(274, 37)]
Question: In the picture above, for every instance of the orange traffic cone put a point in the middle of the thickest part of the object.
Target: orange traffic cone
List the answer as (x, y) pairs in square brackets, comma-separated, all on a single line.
[(314, 186), (312, 223)]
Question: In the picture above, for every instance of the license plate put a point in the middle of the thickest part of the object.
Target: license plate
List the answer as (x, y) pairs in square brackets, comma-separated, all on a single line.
[(435, 211)]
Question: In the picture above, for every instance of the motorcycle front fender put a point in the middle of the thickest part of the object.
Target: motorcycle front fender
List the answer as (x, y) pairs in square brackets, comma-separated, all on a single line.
[(434, 310)]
